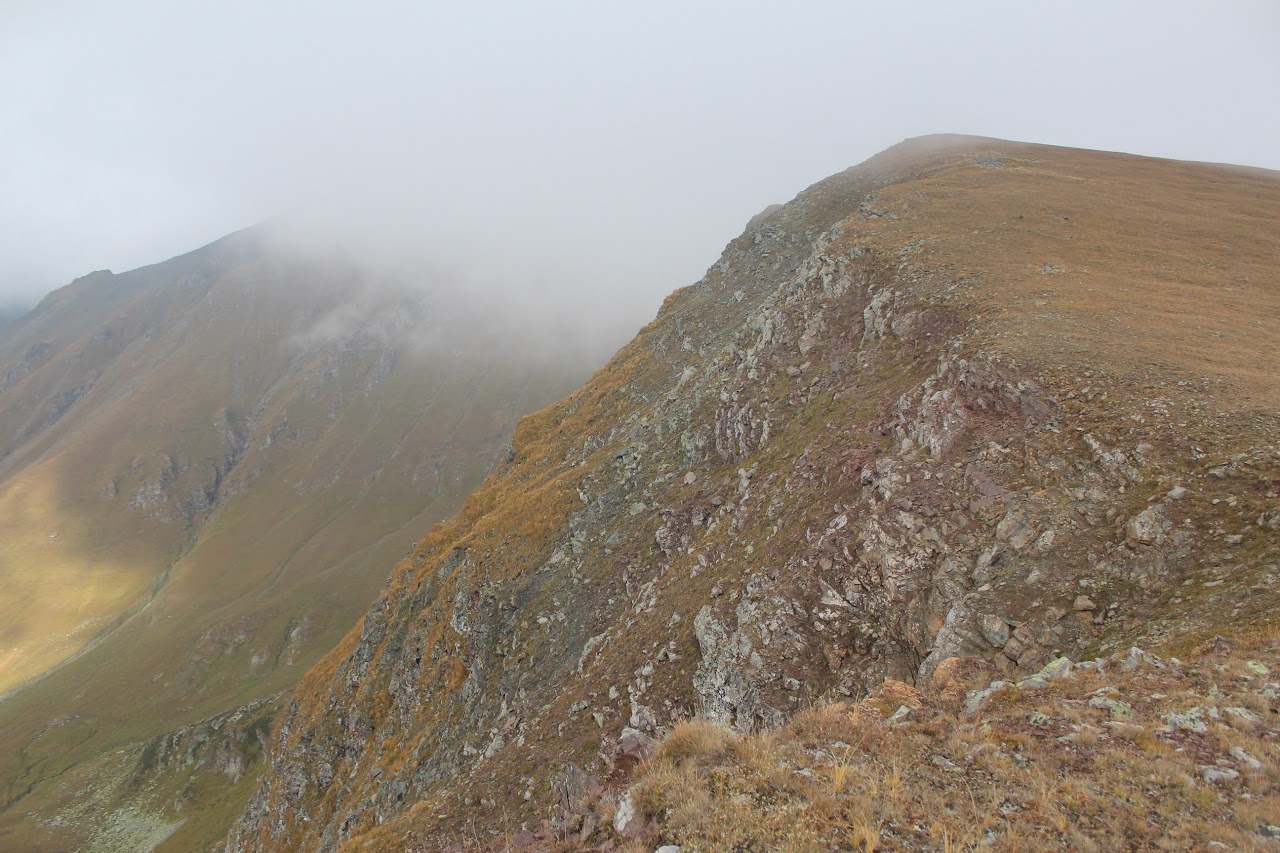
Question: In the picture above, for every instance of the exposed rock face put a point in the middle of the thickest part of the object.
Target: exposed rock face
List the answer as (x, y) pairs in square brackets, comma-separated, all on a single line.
[(814, 472), (225, 744), (732, 673)]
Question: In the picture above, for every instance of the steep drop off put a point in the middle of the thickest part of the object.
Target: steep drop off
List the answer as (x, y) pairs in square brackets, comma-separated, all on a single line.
[(206, 467), (970, 398)]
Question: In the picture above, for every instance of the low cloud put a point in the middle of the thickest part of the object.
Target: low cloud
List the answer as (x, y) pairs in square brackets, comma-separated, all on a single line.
[(575, 154)]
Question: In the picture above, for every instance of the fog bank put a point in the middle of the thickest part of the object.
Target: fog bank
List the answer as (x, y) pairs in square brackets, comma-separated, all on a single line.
[(583, 147)]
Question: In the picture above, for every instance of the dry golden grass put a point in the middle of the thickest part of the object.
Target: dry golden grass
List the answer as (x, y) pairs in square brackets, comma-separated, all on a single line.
[(692, 740), (1040, 770), (1153, 270)]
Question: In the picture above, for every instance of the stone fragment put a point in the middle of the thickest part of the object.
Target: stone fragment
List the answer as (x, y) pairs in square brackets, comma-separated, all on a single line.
[(1144, 528), (1014, 648), (576, 784), (1084, 603), (1015, 531), (1031, 660), (977, 699), (1240, 755), (633, 747), (830, 597), (1191, 720), (1057, 669), (994, 630), (1212, 774), (626, 820), (1117, 709), (1138, 658), (1244, 714)]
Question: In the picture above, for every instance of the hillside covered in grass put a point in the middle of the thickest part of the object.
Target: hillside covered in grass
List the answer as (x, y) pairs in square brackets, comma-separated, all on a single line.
[(206, 467)]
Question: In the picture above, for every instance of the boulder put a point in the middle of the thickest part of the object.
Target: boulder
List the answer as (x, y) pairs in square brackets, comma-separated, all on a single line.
[(1016, 532), (633, 747), (1057, 669), (1213, 774), (977, 699), (1144, 528), (994, 630)]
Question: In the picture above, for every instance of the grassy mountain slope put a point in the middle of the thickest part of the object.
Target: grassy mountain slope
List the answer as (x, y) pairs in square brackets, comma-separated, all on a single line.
[(205, 468), (971, 399)]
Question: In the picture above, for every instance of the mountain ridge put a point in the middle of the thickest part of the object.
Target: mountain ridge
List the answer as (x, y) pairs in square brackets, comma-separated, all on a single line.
[(909, 416)]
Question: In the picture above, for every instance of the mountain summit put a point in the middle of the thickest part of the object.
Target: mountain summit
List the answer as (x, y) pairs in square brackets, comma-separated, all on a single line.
[(972, 400)]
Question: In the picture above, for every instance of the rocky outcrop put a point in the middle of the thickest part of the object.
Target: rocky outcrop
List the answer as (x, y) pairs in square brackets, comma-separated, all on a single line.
[(228, 744)]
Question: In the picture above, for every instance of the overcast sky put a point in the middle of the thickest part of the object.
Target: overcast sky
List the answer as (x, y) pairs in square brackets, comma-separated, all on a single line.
[(615, 145)]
